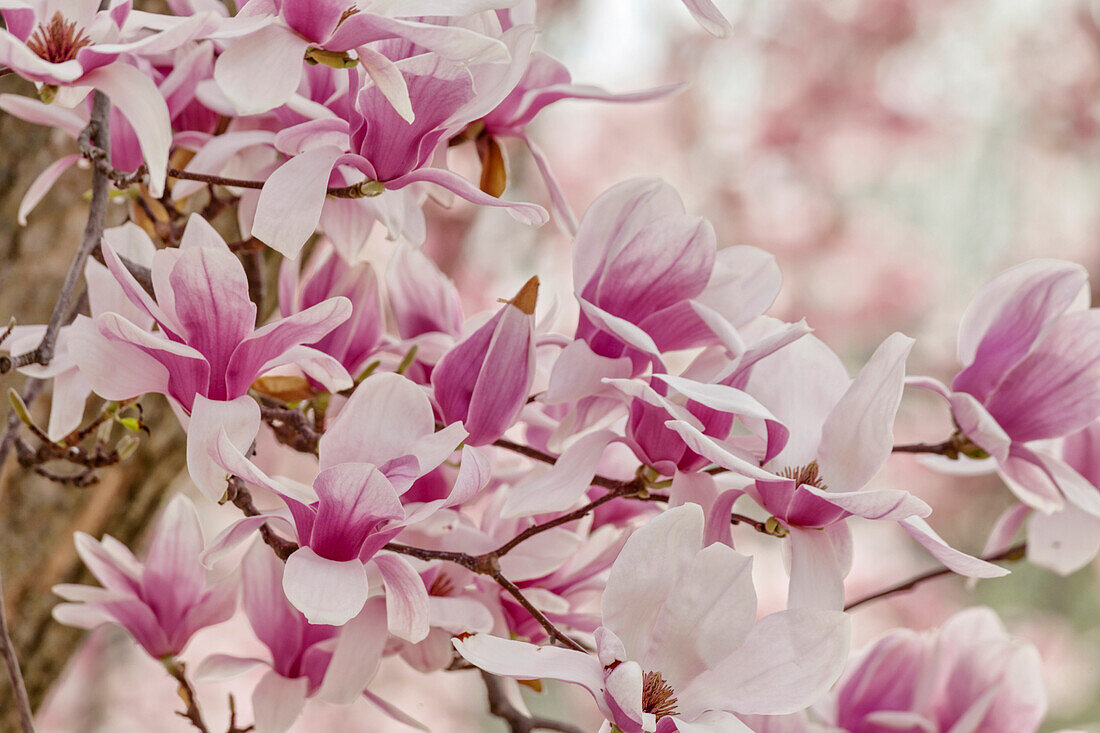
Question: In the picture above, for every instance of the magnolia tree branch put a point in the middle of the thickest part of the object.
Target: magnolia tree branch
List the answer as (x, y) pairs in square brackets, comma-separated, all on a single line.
[(93, 232), (1016, 552), (11, 661), (186, 692), (517, 721)]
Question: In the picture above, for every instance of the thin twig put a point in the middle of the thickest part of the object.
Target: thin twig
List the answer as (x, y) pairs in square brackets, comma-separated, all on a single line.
[(237, 493), (11, 661), (514, 591), (535, 454), (517, 721), (945, 448), (93, 232), (1016, 552), (186, 692)]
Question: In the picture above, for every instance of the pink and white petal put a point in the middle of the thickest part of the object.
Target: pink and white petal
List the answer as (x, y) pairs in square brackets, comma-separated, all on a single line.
[(117, 571), (81, 615), (221, 667), (291, 200), (238, 420), (819, 561), (70, 393), (954, 560), (133, 290), (277, 702), (714, 721), (1076, 488), (322, 368), (395, 712), (887, 504), (646, 571), (624, 697), (137, 98), (212, 158), (1064, 541), (116, 371), (563, 212), (541, 555), (1005, 528), (473, 476), (385, 418), (407, 613), (620, 328), (352, 499), (389, 80), (459, 614), (744, 283), (714, 451), (236, 533), (564, 483), (529, 214), (858, 434), (787, 662), (1027, 478), (50, 115), (325, 591), (705, 618), (578, 372), (357, 655), (522, 660), (172, 574), (707, 15), (227, 455), (434, 448), (261, 70), (41, 185)]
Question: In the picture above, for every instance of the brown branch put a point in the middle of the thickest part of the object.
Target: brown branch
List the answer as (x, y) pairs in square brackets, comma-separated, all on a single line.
[(538, 615), (237, 494), (946, 448), (1016, 552), (187, 693), (11, 661), (735, 518), (93, 232), (291, 427), (517, 721)]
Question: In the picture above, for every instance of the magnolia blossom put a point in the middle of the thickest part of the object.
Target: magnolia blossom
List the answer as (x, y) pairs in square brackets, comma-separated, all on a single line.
[(162, 601), (75, 45), (385, 148), (307, 660), (1030, 347), (841, 433), (207, 351), (485, 379), (383, 440), (680, 648), (967, 677)]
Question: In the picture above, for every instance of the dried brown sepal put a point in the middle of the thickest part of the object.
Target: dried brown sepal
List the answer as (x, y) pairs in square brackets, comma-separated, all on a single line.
[(494, 173), (527, 296), (285, 388)]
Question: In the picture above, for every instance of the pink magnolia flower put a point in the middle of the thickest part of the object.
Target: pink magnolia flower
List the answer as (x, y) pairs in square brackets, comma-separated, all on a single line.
[(422, 298), (1068, 539), (1031, 353), (841, 433), (334, 664), (968, 676), (70, 388), (485, 379), (72, 44), (161, 602), (270, 40), (325, 276), (382, 440), (680, 648), (389, 151), (207, 351)]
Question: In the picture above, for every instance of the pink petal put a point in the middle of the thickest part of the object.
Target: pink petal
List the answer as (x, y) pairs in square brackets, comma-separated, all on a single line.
[(958, 562), (221, 667), (139, 100), (521, 660), (213, 157), (385, 418), (1064, 541), (886, 504), (529, 214), (389, 80), (406, 598), (564, 483), (708, 16), (578, 372), (116, 371), (41, 185), (715, 452), (261, 71), (858, 435), (820, 560), (357, 655), (239, 419), (278, 701), (292, 198), (646, 571), (325, 591), (789, 660), (352, 499)]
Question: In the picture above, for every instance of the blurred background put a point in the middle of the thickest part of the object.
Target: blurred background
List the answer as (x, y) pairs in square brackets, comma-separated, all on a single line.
[(892, 154)]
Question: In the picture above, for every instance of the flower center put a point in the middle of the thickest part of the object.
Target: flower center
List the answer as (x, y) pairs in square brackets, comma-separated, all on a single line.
[(658, 697), (807, 474), (57, 40)]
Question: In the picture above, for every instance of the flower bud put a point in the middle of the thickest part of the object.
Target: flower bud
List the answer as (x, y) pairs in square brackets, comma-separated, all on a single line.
[(484, 380)]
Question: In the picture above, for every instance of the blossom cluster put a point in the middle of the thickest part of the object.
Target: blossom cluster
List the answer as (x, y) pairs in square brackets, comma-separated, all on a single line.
[(488, 489)]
